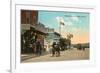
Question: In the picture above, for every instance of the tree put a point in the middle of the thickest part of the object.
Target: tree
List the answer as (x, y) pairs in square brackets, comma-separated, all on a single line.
[(63, 43), (66, 43), (69, 36)]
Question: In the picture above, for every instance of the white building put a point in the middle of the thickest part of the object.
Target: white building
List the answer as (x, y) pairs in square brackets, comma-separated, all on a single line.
[(51, 37)]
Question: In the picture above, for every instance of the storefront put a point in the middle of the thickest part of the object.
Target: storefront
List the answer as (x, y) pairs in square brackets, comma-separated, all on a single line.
[(31, 31)]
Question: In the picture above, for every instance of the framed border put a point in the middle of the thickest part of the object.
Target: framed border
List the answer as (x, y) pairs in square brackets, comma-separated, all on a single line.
[(16, 66)]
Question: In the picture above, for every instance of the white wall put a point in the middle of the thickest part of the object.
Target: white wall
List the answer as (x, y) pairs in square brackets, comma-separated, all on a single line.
[(5, 37)]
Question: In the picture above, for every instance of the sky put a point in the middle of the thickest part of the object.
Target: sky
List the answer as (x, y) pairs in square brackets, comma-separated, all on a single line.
[(76, 23)]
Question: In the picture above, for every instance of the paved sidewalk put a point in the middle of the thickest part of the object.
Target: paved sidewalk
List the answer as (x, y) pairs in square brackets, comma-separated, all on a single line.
[(28, 56)]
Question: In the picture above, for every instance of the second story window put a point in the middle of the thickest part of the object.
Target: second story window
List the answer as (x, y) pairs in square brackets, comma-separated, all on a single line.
[(28, 17)]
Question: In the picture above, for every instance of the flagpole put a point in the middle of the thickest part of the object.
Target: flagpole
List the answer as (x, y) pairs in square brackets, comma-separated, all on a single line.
[(61, 22), (59, 28)]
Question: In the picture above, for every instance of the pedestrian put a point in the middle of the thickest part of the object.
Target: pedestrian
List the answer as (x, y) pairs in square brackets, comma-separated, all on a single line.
[(38, 48), (57, 48), (34, 48), (53, 48)]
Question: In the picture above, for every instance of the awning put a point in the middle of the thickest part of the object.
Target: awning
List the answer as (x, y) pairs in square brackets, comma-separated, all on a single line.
[(39, 29)]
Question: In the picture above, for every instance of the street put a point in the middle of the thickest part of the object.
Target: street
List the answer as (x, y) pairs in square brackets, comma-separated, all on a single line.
[(73, 54)]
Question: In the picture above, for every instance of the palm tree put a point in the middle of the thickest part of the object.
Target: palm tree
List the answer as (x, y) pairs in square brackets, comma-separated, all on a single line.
[(63, 43), (69, 36)]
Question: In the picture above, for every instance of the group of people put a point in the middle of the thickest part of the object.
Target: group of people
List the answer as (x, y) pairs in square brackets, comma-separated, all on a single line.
[(31, 43), (37, 48), (55, 49)]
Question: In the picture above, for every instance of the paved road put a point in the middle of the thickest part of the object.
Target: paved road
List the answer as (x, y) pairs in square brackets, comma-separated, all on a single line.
[(65, 55)]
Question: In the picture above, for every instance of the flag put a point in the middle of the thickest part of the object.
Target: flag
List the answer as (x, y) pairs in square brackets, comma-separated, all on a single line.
[(62, 23)]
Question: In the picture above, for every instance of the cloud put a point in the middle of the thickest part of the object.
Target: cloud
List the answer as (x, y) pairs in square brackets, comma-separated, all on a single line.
[(61, 19), (68, 23), (58, 18), (74, 18)]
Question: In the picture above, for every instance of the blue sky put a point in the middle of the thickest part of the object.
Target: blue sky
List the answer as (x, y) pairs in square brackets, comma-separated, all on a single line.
[(75, 22)]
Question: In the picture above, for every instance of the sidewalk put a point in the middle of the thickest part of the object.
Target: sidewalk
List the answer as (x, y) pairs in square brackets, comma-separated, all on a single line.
[(29, 56)]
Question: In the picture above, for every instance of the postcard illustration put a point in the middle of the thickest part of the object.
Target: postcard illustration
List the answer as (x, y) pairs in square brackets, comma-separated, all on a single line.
[(54, 36)]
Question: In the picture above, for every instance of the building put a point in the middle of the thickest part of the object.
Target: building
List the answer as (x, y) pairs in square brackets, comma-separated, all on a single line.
[(31, 30), (51, 37), (28, 17)]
